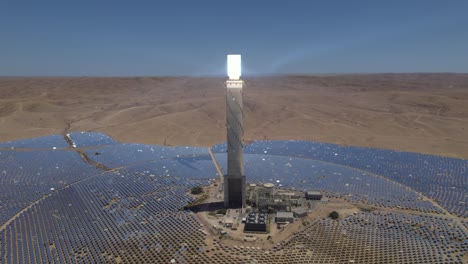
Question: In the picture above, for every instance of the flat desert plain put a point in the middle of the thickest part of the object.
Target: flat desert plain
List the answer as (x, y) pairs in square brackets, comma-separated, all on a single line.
[(425, 113)]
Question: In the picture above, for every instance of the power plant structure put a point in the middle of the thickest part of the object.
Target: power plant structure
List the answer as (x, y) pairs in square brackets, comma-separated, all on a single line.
[(234, 181)]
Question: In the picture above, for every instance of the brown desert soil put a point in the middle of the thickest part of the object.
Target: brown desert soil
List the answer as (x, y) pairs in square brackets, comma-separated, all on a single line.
[(425, 113)]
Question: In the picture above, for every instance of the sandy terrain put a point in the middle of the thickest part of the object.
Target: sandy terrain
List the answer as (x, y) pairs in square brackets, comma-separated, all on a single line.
[(425, 113)]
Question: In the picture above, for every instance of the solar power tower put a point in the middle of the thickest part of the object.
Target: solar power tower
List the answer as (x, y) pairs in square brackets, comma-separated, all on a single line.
[(234, 181)]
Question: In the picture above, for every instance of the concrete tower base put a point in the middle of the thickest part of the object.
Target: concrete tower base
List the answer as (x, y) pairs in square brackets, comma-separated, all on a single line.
[(234, 191)]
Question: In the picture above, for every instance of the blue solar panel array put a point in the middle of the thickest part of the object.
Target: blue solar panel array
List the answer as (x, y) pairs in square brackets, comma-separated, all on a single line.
[(465, 223), (126, 154), (1, 245), (116, 214), (333, 180), (86, 139), (52, 141), (443, 236), (379, 237), (134, 213), (26, 176), (440, 178), (192, 168), (135, 209)]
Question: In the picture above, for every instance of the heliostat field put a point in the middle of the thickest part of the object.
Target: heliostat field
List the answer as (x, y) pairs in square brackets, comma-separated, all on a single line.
[(85, 198)]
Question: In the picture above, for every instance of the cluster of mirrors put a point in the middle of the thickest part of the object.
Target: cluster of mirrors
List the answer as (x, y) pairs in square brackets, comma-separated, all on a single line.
[(86, 198)]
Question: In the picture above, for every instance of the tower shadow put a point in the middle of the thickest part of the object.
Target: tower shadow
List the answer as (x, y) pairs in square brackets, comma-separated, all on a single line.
[(205, 207)]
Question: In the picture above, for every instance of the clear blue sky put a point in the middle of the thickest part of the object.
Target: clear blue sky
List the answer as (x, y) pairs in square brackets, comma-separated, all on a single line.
[(192, 37)]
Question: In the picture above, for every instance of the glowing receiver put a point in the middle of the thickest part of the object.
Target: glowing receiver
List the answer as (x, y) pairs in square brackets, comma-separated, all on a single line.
[(234, 66)]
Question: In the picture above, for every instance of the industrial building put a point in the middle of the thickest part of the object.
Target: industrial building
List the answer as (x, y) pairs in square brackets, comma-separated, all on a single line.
[(267, 197), (300, 212), (313, 195), (284, 217), (256, 223)]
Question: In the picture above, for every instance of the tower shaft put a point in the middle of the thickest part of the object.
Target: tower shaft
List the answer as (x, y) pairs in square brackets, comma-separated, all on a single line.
[(234, 181), (235, 131)]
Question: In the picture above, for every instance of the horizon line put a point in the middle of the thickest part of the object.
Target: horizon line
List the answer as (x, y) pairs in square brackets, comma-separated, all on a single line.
[(222, 76)]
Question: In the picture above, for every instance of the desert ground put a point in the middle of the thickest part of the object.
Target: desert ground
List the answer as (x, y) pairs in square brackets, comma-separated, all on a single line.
[(426, 113)]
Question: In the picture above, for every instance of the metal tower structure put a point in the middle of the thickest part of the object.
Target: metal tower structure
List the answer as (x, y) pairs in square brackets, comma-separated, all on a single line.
[(234, 181)]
